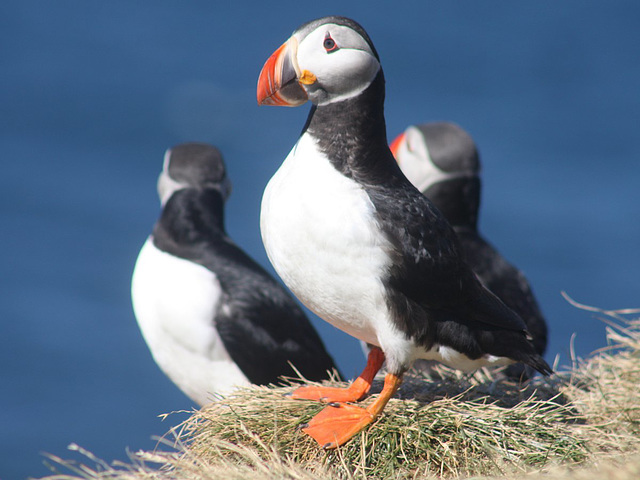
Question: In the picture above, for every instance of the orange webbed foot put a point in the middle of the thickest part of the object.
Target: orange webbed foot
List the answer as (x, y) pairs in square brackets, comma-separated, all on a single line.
[(336, 424), (326, 394), (353, 393)]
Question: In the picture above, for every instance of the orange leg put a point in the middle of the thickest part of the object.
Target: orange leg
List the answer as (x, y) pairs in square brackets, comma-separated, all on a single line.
[(354, 392), (337, 423)]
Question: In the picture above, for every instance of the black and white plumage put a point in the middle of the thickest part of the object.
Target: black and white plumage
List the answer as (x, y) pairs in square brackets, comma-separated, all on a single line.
[(213, 318), (357, 243), (350, 235), (442, 161)]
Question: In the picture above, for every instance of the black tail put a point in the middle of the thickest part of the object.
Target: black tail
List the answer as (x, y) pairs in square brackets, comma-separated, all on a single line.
[(537, 362)]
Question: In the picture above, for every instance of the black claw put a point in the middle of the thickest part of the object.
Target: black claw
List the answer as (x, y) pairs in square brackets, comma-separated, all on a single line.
[(334, 404), (288, 395), (327, 446), (303, 426)]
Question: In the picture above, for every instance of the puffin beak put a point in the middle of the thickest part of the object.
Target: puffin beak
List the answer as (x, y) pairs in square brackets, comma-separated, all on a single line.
[(395, 145), (278, 82)]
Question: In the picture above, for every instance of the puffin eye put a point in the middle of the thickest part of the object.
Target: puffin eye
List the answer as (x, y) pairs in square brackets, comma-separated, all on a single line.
[(329, 44)]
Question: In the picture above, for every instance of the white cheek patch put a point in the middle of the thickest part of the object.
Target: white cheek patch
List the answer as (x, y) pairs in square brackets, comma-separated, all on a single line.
[(167, 186), (415, 162), (357, 69), (341, 74)]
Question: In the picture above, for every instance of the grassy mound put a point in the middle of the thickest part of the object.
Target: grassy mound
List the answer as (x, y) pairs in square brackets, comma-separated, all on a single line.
[(581, 423)]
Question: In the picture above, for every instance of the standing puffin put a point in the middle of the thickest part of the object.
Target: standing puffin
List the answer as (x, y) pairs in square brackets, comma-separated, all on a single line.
[(213, 319), (357, 243), (442, 161)]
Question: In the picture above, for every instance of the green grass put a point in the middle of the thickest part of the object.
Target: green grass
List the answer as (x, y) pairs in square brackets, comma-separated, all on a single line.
[(583, 422)]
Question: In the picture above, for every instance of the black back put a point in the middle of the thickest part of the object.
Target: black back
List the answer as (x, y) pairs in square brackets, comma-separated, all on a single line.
[(458, 199), (261, 326)]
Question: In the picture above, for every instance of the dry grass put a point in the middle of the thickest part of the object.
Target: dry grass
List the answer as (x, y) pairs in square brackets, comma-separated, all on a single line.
[(582, 423)]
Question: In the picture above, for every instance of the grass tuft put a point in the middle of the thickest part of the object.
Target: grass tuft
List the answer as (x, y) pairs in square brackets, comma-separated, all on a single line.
[(583, 422)]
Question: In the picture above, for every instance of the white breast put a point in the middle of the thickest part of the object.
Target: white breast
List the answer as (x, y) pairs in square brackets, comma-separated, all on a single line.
[(320, 233), (175, 301)]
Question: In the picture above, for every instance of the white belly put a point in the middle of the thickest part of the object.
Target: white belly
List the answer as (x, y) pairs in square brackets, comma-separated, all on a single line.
[(319, 231), (175, 302), (460, 361)]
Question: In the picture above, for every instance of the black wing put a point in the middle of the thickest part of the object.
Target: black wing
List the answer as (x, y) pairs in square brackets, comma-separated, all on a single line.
[(433, 293), (430, 269), (507, 282), (262, 327)]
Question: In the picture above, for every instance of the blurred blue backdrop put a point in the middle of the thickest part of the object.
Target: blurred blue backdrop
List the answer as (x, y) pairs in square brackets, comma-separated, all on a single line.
[(93, 92)]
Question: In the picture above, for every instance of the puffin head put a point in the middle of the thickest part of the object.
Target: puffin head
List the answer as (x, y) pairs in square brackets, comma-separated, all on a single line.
[(325, 61), (441, 160), (193, 165)]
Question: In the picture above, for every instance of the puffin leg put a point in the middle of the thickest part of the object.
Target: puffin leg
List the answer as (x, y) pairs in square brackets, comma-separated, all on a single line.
[(337, 423), (354, 392)]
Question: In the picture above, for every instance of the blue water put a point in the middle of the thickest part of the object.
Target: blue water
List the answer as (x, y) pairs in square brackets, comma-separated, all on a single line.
[(92, 93)]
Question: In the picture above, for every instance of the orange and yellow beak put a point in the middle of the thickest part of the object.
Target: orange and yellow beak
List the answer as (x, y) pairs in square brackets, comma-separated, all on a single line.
[(279, 81), (395, 145)]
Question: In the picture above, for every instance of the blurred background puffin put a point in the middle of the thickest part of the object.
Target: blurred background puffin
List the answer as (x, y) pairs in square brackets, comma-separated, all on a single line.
[(213, 319)]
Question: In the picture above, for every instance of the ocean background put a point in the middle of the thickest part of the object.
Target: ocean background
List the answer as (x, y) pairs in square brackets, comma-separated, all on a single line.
[(93, 92)]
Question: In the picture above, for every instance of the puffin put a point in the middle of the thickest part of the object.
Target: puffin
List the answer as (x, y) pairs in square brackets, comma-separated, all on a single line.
[(358, 244), (214, 319), (441, 160)]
